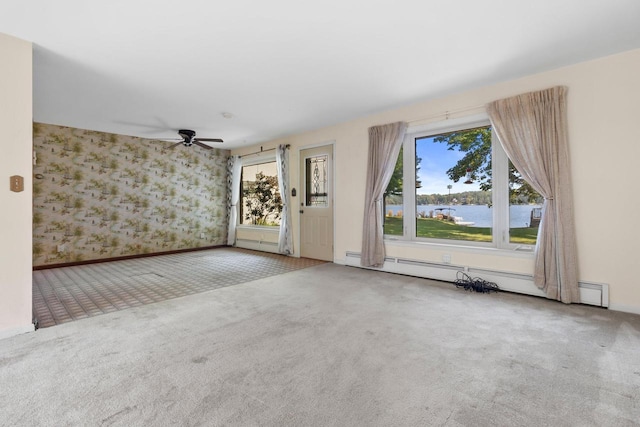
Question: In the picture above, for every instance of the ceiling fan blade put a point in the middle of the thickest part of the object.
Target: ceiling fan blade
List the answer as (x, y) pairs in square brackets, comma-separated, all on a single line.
[(166, 139), (200, 144), (209, 139), (175, 145)]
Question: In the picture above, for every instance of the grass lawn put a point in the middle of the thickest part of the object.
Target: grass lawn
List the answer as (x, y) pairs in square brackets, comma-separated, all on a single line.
[(437, 229)]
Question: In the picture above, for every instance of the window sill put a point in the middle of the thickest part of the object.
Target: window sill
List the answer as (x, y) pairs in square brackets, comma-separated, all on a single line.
[(516, 252), (273, 228)]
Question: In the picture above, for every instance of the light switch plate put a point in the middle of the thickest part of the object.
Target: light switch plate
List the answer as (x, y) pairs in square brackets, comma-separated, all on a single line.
[(16, 183)]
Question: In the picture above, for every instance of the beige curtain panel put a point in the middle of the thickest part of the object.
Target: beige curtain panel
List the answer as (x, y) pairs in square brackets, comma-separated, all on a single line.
[(532, 128), (234, 173), (384, 145)]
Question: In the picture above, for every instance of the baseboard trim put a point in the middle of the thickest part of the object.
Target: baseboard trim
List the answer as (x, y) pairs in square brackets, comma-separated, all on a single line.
[(121, 258), (18, 330), (625, 308)]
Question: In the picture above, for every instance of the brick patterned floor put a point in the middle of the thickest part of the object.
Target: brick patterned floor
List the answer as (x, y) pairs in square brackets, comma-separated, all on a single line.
[(69, 293)]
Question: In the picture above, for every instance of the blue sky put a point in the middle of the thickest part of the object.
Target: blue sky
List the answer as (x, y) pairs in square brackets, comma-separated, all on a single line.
[(436, 160)]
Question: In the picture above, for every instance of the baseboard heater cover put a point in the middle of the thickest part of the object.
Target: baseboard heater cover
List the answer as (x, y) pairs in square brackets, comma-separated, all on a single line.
[(257, 245), (590, 293)]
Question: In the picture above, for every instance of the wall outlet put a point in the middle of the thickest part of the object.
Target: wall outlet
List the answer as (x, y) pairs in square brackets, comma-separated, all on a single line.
[(202, 235), (446, 258), (61, 248)]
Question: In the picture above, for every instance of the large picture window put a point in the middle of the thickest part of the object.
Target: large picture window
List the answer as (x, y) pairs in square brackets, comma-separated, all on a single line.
[(454, 183), (261, 201)]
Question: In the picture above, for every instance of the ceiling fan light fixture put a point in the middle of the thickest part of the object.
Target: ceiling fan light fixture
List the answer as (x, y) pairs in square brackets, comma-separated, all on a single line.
[(187, 136)]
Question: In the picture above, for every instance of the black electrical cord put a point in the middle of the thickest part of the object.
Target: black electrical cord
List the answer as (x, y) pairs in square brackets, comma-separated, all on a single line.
[(463, 280)]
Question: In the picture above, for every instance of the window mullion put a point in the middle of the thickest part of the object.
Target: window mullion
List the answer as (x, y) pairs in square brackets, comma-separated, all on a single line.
[(409, 184), (500, 184)]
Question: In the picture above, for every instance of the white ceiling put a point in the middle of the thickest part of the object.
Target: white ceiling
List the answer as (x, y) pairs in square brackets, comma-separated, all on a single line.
[(148, 68)]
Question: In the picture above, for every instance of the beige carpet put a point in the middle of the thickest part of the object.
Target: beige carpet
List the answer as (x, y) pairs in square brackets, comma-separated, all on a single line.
[(330, 346)]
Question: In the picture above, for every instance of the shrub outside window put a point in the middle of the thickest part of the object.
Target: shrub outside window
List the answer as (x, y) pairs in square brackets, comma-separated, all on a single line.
[(261, 201)]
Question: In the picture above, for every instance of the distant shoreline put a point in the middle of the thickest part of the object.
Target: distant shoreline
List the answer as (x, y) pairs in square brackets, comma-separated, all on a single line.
[(480, 215)]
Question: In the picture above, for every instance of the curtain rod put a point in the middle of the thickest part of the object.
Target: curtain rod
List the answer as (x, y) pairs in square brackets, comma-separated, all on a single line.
[(446, 114), (263, 151)]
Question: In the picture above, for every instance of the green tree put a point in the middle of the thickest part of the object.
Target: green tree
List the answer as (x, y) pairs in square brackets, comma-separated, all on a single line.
[(262, 199), (393, 193), (394, 188), (476, 146)]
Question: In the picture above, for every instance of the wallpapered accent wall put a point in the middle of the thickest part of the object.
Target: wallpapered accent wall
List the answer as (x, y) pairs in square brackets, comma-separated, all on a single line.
[(98, 195)]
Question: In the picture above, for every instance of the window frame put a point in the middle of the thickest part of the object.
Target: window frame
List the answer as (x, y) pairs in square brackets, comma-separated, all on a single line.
[(261, 159), (500, 186)]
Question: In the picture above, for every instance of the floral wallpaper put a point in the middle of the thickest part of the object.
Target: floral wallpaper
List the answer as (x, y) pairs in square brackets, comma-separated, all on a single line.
[(98, 195)]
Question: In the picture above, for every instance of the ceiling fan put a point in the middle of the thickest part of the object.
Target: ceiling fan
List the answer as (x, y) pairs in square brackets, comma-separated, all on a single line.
[(188, 138)]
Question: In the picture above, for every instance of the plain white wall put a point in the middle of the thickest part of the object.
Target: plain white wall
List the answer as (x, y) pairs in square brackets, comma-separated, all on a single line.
[(603, 113), (15, 159)]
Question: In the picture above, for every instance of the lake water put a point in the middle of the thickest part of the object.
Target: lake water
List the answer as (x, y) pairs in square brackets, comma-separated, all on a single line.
[(480, 215)]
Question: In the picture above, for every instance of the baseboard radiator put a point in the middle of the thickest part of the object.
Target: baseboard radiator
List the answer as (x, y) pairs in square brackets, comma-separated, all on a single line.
[(590, 293), (257, 245)]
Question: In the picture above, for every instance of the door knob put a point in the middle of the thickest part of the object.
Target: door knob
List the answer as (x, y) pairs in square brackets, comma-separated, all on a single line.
[(301, 211)]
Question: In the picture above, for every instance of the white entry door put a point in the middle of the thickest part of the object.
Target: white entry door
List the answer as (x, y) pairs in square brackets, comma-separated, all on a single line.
[(316, 203)]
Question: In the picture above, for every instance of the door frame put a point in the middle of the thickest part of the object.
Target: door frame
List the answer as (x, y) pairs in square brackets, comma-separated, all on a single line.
[(332, 186)]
